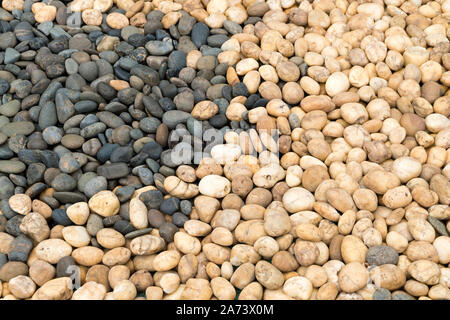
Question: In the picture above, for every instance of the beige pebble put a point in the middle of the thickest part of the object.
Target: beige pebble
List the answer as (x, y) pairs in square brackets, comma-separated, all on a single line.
[(104, 203), (20, 203), (78, 213), (117, 20)]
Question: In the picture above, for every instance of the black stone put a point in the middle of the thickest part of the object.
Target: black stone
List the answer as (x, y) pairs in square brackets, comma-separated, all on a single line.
[(20, 248), (66, 267), (59, 216), (179, 219), (170, 205), (167, 231), (379, 255), (152, 198), (124, 227), (199, 34), (13, 225)]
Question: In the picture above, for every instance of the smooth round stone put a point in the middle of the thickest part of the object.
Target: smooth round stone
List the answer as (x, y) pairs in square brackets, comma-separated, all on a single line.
[(79, 43), (72, 141), (152, 198), (23, 89), (106, 91), (137, 40), (11, 56), (35, 173), (49, 158), (11, 166), (110, 221), (382, 294), (218, 121), (4, 86), (48, 116), (146, 176), (199, 34), (83, 179), (173, 117), (152, 164), (159, 48), (152, 149), (59, 216), (109, 56), (7, 40), (37, 188), (113, 170), (13, 225), (136, 134), (4, 205), (94, 224), (166, 171), (179, 219), (379, 255), (68, 164), (94, 186), (52, 135), (219, 79), (170, 205), (58, 45), (177, 60), (232, 27), (20, 181), (66, 267), (121, 154), (18, 128), (186, 207), (20, 249), (124, 193), (105, 152), (71, 66), (27, 156), (23, 31), (124, 227), (167, 231), (64, 182), (217, 40), (110, 119), (239, 89), (209, 51), (85, 106), (93, 130), (149, 125), (5, 153), (128, 31), (127, 63), (185, 24), (45, 27)]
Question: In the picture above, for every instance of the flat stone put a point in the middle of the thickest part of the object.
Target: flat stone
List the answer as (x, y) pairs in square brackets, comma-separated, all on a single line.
[(113, 171), (11, 56), (173, 117), (18, 127), (147, 74), (199, 34), (12, 166)]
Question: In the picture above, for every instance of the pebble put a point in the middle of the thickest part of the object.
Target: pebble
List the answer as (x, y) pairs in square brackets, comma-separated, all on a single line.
[(20, 249), (379, 255), (199, 34)]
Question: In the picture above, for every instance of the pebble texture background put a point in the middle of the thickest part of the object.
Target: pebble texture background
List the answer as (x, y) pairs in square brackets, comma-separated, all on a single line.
[(224, 149)]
